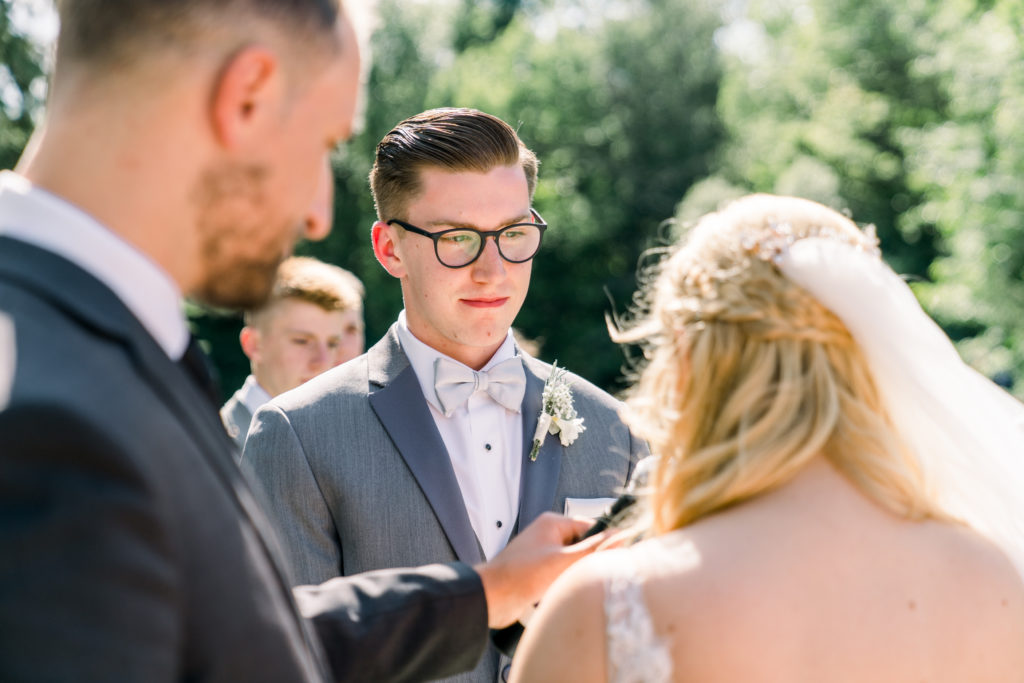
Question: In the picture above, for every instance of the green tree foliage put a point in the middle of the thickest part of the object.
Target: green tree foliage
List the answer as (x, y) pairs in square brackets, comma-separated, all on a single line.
[(906, 114), (21, 81), (479, 23), (969, 169), (815, 98)]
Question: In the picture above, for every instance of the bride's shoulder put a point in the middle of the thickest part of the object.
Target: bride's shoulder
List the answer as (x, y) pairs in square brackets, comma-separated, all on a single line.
[(581, 589), (977, 568), (675, 556), (969, 549), (568, 632)]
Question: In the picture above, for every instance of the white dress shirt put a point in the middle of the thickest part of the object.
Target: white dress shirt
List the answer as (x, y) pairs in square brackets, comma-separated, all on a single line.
[(484, 442), (253, 395), (33, 215)]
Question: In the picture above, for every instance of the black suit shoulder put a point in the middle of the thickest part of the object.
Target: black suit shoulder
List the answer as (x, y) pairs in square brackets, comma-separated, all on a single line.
[(125, 556), (90, 584), (131, 550)]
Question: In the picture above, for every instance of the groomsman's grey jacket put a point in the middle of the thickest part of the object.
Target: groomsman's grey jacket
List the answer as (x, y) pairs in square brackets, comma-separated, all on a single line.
[(130, 546), (358, 477), (236, 418)]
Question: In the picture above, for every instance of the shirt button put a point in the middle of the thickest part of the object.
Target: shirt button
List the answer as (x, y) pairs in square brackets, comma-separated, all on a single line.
[(487, 446), (499, 523)]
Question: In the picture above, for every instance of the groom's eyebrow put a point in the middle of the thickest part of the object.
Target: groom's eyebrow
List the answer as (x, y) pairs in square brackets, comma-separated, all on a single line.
[(522, 218)]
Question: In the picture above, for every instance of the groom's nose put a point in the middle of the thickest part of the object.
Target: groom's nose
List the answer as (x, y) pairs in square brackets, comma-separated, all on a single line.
[(489, 265)]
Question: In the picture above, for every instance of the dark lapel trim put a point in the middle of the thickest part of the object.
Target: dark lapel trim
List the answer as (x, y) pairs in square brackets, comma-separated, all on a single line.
[(539, 479), (397, 399)]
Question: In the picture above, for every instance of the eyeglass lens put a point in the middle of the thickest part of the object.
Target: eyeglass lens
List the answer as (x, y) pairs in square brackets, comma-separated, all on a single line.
[(516, 243)]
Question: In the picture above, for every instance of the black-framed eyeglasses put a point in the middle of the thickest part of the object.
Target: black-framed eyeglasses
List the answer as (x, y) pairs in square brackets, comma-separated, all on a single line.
[(459, 247)]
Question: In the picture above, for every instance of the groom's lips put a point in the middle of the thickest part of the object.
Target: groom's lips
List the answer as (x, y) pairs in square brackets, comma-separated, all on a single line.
[(486, 303)]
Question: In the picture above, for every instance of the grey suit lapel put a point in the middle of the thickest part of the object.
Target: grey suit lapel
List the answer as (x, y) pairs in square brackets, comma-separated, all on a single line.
[(397, 399), (539, 479)]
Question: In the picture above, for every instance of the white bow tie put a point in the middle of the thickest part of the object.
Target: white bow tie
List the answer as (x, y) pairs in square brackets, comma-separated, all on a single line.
[(454, 383)]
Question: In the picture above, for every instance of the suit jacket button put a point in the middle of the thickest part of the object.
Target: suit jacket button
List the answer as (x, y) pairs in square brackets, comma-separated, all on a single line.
[(505, 670)]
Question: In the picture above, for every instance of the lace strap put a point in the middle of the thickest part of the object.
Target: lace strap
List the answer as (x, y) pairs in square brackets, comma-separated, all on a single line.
[(635, 654)]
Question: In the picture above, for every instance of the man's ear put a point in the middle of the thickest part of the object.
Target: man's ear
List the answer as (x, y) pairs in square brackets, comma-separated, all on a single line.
[(245, 95), (387, 249), (249, 338)]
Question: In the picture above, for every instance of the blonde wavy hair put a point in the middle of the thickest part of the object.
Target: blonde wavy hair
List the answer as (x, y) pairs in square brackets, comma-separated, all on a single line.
[(748, 377)]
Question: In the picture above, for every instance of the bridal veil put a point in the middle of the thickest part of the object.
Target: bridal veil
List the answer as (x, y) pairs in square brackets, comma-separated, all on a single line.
[(967, 433)]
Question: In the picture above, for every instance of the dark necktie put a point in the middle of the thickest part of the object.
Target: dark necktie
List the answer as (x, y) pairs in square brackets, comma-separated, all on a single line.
[(198, 367)]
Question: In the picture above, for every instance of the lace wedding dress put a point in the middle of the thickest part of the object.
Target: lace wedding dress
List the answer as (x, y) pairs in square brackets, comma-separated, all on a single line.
[(635, 653)]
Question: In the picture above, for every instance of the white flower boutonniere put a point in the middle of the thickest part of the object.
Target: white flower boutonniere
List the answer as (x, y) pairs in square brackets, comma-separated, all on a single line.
[(557, 415)]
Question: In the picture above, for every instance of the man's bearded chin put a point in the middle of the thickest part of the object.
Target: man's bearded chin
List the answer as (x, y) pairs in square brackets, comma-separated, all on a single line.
[(239, 281), (230, 199), (238, 286)]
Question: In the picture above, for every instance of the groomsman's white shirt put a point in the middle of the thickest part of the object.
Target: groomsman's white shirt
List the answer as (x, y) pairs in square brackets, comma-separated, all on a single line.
[(253, 395), (484, 442), (33, 215)]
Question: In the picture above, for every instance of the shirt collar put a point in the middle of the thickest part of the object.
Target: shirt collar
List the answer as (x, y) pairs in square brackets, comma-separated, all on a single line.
[(422, 357), (33, 215), (253, 395)]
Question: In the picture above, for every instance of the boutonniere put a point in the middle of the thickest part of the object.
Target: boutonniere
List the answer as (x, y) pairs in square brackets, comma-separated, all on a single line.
[(557, 415)]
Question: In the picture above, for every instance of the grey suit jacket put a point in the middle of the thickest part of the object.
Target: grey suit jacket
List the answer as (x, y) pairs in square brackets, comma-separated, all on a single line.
[(358, 477), (236, 418), (131, 548)]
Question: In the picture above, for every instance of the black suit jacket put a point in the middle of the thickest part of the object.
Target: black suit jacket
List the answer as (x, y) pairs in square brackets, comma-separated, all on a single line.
[(130, 545)]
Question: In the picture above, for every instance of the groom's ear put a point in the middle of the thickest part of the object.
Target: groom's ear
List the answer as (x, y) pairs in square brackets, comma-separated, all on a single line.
[(387, 248)]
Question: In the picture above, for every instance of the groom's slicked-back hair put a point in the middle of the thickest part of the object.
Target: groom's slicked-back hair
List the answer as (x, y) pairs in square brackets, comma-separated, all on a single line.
[(106, 33), (455, 140)]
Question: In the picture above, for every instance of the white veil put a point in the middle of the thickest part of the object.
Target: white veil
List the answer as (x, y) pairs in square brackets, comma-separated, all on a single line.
[(967, 432)]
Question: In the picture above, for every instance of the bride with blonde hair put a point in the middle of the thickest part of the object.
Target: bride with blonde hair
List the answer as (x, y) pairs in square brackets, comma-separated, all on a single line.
[(837, 495)]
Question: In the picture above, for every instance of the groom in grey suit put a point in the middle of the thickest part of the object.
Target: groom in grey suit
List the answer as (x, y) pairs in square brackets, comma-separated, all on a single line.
[(419, 450)]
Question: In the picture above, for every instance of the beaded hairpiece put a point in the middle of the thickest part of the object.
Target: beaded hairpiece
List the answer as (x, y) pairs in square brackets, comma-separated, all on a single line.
[(781, 236)]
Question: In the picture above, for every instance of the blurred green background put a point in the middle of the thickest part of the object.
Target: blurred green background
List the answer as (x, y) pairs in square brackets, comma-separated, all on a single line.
[(907, 115)]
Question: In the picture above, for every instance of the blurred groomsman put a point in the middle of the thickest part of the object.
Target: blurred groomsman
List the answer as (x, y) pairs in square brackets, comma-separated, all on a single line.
[(312, 322)]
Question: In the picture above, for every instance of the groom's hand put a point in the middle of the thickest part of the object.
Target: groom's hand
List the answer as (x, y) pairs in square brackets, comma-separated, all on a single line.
[(518, 576)]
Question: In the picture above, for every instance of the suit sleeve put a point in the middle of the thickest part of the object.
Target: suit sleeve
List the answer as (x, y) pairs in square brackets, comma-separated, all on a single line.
[(388, 625), (399, 624), (88, 586)]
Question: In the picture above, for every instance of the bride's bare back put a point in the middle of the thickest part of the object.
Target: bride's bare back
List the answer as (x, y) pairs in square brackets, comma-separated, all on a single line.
[(813, 582)]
